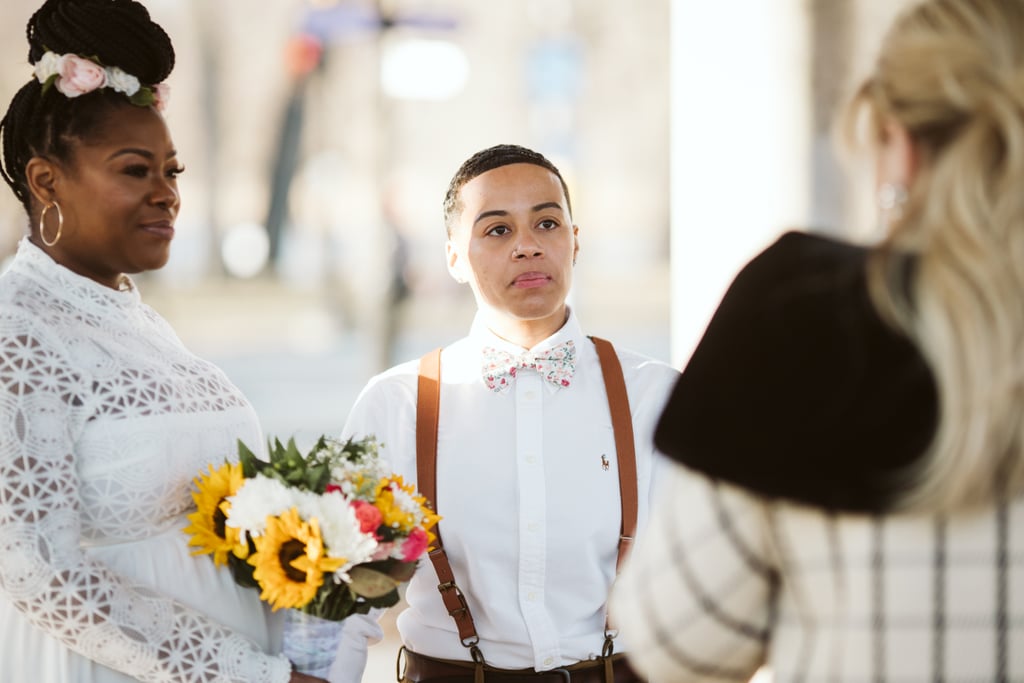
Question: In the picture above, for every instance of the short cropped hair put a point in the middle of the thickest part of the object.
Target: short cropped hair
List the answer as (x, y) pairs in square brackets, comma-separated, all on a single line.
[(488, 160)]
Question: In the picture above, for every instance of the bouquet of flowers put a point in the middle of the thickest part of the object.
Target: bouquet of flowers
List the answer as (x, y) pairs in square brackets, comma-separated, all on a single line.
[(327, 534)]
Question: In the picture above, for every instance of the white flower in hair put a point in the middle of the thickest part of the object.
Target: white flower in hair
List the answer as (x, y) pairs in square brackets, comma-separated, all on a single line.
[(161, 95), (73, 75), (122, 81), (49, 65)]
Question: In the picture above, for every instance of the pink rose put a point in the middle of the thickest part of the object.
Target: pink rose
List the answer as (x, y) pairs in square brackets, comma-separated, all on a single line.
[(368, 515), (161, 96), (79, 76), (414, 545), (382, 552)]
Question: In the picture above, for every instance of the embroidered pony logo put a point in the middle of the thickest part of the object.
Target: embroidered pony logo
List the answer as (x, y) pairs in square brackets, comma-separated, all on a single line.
[(604, 462)]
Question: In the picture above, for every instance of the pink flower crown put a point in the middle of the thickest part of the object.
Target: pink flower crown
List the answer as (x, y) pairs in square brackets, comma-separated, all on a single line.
[(73, 75)]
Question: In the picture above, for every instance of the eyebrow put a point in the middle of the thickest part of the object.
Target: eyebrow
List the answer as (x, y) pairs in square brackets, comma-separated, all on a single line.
[(141, 152), (502, 212)]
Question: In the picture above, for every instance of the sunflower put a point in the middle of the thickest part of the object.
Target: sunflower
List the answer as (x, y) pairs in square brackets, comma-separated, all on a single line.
[(209, 531), (290, 561)]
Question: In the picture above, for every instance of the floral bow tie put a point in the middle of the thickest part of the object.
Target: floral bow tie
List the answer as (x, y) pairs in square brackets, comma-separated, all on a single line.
[(556, 365)]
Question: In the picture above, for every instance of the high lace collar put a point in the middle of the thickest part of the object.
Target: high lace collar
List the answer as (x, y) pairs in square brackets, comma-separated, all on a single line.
[(63, 283)]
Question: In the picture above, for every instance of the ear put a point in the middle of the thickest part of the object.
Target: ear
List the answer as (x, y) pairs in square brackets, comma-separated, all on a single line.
[(454, 262), (42, 176), (575, 243), (897, 157)]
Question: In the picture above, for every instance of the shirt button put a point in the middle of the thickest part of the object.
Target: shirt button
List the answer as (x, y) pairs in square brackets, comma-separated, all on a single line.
[(533, 526), (531, 458), (530, 395), (532, 597), (548, 661)]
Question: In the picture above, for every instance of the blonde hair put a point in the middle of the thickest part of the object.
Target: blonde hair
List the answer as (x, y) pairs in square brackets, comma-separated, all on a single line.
[(951, 72)]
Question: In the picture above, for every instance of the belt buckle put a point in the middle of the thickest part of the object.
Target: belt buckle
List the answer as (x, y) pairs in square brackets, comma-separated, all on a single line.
[(563, 672)]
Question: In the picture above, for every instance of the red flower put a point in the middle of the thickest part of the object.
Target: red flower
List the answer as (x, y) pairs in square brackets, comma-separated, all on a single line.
[(368, 515), (415, 544)]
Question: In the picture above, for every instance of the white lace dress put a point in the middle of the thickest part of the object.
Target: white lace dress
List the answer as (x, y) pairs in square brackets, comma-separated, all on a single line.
[(104, 420)]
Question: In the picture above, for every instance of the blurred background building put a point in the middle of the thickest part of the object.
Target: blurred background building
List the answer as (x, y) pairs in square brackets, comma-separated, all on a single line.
[(319, 137)]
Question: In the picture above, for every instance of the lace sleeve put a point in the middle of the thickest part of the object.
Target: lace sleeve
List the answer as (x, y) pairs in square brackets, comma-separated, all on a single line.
[(44, 404)]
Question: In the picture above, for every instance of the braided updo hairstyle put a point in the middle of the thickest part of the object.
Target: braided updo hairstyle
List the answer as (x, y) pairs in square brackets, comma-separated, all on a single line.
[(116, 33)]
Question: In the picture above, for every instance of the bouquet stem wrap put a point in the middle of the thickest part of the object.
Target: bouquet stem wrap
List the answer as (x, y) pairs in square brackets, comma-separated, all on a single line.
[(311, 642)]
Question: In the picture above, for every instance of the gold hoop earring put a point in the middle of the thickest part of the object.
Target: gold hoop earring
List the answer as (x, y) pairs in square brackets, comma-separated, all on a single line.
[(42, 224)]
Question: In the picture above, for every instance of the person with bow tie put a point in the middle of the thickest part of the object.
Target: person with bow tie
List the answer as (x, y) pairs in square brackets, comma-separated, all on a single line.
[(509, 432)]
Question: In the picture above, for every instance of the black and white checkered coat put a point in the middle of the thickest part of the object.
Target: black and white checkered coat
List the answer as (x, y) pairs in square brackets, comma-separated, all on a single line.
[(725, 581)]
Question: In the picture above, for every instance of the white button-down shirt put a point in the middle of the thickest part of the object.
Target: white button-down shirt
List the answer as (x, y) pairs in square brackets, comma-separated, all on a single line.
[(528, 491)]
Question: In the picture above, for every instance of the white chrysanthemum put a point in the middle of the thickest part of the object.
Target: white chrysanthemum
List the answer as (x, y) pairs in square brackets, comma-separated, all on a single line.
[(47, 66), (259, 498), (121, 81), (405, 502), (340, 529)]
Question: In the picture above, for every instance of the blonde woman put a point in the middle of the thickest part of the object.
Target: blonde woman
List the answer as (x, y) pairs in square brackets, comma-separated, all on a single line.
[(849, 505)]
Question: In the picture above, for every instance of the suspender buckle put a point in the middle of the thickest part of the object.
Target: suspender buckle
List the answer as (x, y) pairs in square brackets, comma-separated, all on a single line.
[(608, 649), (456, 610)]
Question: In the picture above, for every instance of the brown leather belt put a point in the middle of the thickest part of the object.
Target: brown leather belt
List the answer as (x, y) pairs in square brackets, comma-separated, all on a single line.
[(423, 669)]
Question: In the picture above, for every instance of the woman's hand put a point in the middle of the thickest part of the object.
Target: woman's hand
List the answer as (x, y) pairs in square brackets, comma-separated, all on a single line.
[(304, 678)]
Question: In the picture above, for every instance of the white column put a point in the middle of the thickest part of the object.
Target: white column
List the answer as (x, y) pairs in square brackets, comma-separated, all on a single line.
[(740, 145)]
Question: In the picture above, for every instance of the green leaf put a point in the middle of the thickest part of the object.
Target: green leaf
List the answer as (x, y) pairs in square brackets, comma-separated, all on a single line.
[(49, 83), (370, 583), (363, 606), (250, 464), (276, 450), (317, 477), (293, 455), (242, 572), (403, 571), (143, 97), (333, 601), (397, 569)]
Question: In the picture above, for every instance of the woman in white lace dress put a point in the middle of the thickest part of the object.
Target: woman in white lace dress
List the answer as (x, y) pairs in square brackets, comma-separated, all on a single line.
[(104, 416)]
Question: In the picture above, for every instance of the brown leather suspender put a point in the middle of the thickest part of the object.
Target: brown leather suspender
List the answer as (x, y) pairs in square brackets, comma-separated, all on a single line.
[(428, 404), (622, 428), (427, 415)]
